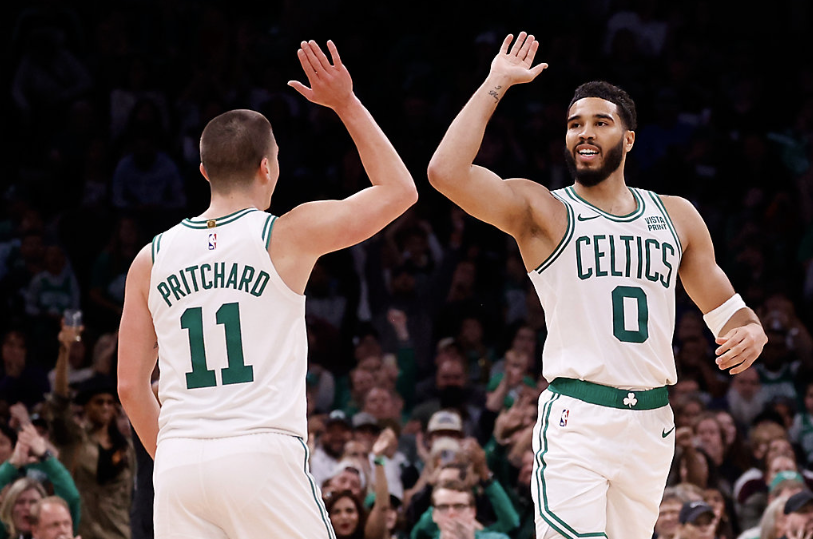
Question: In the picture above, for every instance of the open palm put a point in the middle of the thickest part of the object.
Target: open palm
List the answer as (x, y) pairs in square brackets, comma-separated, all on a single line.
[(515, 64), (330, 84)]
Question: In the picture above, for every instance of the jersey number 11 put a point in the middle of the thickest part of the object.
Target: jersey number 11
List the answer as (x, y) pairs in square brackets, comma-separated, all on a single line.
[(237, 372)]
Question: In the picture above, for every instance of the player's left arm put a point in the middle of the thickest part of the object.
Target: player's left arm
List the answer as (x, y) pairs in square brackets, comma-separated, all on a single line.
[(741, 337), (138, 353)]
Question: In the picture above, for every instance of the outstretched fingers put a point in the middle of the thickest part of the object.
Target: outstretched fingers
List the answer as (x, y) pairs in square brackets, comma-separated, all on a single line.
[(305, 60), (334, 54), (506, 43), (310, 55), (324, 63), (526, 48), (518, 43)]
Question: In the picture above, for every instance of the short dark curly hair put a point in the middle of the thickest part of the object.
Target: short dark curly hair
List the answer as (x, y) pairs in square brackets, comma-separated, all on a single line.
[(613, 94)]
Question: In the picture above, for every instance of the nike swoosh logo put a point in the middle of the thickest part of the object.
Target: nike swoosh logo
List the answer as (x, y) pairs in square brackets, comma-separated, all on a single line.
[(580, 218), (666, 433)]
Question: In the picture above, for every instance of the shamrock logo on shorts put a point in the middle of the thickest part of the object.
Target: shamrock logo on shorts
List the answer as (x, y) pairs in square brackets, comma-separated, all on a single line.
[(630, 400)]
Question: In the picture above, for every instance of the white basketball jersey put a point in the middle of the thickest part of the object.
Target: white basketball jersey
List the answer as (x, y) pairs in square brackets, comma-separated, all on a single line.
[(232, 343), (608, 291)]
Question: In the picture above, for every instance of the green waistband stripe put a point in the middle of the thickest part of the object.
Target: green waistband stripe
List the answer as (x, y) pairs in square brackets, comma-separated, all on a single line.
[(611, 397)]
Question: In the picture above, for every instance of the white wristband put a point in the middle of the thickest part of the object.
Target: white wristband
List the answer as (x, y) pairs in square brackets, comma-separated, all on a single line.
[(717, 318)]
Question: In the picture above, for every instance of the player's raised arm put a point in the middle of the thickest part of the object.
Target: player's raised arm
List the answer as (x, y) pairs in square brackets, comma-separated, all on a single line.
[(330, 225), (479, 191), (736, 327), (138, 354)]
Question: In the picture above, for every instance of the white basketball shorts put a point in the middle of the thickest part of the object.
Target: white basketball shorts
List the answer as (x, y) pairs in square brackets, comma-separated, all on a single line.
[(600, 470), (244, 487)]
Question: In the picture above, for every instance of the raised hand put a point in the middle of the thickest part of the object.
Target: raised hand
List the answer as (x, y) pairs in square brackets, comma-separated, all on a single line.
[(29, 436), (514, 65), (386, 444), (330, 84), (69, 335), (19, 416)]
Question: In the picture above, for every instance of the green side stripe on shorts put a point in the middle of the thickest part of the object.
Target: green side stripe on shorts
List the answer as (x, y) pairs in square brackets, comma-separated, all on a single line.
[(541, 489), (319, 503)]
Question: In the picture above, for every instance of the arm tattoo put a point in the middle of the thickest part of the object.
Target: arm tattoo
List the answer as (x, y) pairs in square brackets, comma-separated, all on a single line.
[(494, 93)]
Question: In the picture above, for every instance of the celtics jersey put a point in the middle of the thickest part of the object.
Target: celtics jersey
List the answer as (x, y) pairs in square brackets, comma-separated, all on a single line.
[(608, 291), (232, 345)]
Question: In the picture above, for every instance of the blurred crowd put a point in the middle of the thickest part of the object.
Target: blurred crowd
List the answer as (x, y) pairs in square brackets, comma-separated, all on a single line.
[(425, 341)]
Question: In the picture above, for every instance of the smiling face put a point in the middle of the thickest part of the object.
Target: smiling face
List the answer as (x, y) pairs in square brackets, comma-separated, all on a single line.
[(597, 140)]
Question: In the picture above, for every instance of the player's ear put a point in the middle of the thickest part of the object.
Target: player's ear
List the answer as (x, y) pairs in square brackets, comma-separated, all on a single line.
[(629, 140), (203, 172), (265, 167)]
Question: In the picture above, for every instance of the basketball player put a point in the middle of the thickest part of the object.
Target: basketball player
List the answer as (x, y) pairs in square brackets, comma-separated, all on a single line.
[(604, 259), (221, 297)]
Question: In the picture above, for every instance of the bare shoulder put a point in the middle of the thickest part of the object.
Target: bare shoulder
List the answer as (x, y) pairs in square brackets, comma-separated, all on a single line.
[(679, 207), (140, 269), (687, 219)]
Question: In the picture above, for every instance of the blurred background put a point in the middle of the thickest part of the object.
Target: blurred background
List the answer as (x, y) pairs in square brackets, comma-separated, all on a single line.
[(104, 105)]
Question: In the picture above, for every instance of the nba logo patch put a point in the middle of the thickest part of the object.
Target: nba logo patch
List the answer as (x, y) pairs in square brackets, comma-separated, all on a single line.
[(212, 241), (563, 419)]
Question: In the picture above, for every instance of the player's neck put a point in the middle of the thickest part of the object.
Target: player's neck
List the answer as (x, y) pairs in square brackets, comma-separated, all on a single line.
[(226, 204), (612, 195)]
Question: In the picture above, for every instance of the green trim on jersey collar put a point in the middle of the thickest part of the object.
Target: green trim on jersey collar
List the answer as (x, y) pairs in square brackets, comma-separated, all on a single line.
[(219, 221), (639, 211)]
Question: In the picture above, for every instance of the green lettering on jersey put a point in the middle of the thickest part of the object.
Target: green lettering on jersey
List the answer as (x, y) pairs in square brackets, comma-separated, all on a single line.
[(656, 276), (582, 274), (248, 274), (204, 282), (627, 240), (191, 271), (163, 289), (185, 284), (220, 272), (599, 255), (614, 272), (259, 284), (232, 280), (664, 247), (175, 285)]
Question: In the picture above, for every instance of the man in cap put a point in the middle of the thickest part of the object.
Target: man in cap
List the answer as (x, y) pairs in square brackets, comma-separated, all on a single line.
[(330, 446), (799, 511), (444, 423), (696, 520)]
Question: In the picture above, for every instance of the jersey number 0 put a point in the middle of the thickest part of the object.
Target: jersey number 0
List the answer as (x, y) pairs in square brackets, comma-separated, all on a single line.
[(237, 372)]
